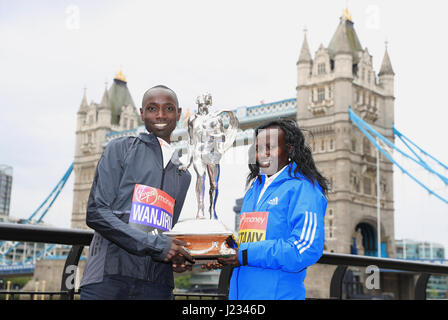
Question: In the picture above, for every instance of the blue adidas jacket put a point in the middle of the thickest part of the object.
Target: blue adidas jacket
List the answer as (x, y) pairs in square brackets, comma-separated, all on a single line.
[(294, 239)]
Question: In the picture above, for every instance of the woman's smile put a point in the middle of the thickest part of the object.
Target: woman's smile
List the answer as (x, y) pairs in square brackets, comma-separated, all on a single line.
[(264, 163)]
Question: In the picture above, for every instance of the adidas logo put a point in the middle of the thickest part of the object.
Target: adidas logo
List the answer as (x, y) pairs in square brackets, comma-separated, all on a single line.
[(273, 201)]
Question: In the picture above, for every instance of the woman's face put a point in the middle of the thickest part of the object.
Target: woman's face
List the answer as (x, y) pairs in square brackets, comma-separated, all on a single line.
[(271, 151)]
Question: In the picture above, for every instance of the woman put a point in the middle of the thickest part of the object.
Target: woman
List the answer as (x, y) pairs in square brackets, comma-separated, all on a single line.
[(282, 217)]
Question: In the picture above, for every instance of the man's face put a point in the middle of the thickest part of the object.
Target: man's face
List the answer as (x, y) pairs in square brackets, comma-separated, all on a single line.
[(271, 151), (160, 113)]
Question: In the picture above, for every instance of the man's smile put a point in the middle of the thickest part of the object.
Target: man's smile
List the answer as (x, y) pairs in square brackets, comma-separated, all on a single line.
[(160, 125)]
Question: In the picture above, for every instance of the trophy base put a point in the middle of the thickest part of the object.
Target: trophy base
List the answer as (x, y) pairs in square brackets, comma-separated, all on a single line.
[(207, 247), (208, 239)]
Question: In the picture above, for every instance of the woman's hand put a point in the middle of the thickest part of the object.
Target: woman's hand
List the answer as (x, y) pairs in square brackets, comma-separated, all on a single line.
[(212, 265), (231, 260)]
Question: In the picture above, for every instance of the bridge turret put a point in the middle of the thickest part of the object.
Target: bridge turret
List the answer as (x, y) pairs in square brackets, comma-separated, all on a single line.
[(82, 111), (387, 83), (104, 110), (387, 75), (342, 50), (304, 64)]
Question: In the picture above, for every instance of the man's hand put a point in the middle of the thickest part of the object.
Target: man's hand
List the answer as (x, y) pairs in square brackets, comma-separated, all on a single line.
[(177, 250), (231, 260), (180, 265)]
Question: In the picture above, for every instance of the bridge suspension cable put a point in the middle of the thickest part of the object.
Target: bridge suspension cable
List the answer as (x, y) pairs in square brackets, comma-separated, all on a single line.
[(53, 196), (414, 154), (7, 246)]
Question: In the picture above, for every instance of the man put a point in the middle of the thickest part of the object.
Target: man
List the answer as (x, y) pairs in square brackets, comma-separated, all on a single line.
[(131, 260)]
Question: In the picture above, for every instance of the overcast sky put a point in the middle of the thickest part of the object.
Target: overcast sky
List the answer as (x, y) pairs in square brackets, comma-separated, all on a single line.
[(240, 51)]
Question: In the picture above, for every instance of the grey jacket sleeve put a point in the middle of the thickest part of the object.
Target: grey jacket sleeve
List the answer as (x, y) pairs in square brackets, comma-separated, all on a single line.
[(100, 217)]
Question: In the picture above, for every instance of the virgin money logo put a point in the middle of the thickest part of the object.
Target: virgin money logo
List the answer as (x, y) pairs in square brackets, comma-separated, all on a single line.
[(146, 194)]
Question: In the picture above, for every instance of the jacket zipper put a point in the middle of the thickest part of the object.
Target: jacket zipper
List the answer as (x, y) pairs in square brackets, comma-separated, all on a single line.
[(163, 179), (163, 175), (163, 167), (151, 266)]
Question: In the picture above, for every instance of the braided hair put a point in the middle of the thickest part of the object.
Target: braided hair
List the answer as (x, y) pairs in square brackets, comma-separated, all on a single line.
[(297, 150)]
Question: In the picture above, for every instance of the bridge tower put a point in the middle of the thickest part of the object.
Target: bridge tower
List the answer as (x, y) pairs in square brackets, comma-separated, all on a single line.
[(115, 112), (342, 76)]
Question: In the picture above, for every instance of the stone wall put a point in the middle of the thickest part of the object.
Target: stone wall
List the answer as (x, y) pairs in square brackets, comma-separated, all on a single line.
[(317, 281), (48, 275)]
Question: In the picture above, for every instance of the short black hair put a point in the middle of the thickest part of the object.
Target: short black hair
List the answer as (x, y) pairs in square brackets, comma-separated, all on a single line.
[(160, 86)]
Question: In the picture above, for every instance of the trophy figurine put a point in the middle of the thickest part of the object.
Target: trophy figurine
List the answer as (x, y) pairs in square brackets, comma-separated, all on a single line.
[(209, 238)]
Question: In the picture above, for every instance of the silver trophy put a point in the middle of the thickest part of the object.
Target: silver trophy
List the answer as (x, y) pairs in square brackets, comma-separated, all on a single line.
[(208, 140)]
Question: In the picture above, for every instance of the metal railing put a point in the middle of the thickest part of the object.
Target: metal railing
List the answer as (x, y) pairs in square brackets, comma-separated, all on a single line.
[(79, 239), (33, 295)]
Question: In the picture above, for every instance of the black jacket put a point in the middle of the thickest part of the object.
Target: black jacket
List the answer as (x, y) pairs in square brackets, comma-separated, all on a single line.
[(117, 247)]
